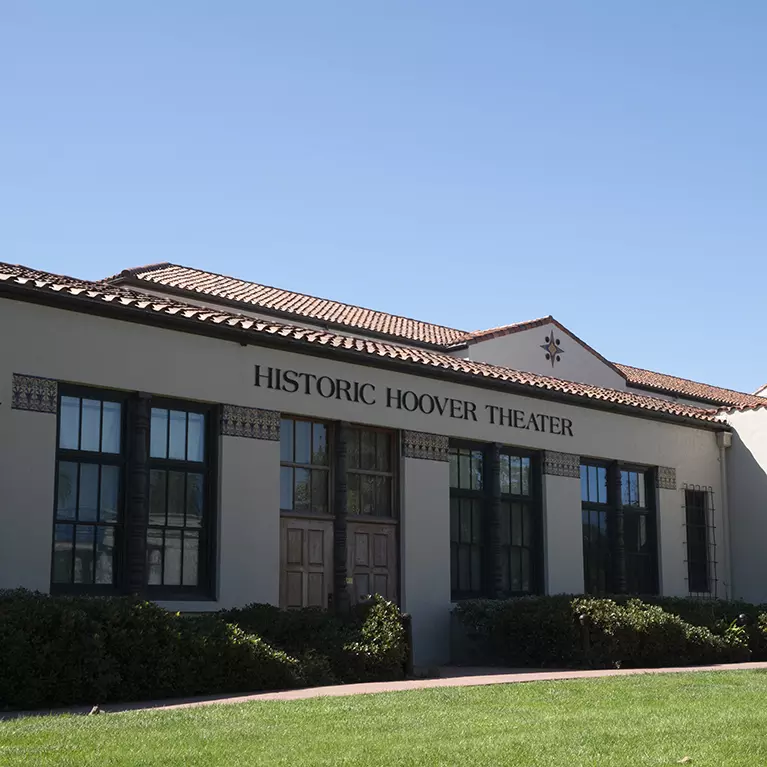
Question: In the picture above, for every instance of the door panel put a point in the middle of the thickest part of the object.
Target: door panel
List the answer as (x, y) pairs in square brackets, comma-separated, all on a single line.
[(372, 560), (306, 557)]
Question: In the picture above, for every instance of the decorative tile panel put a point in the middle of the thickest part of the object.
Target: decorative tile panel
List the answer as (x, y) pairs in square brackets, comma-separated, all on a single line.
[(418, 444), (40, 395), (666, 478), (250, 422), (562, 464)]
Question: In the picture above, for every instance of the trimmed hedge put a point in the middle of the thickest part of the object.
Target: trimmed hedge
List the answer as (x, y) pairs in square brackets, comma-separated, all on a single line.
[(565, 631), (57, 651), (370, 644)]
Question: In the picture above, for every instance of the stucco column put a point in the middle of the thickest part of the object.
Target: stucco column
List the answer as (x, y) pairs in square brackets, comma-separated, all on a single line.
[(425, 544), (28, 408), (562, 527), (249, 507), (672, 535)]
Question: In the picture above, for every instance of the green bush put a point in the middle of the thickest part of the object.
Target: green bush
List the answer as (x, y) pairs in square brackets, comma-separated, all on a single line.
[(369, 644), (59, 651), (550, 632)]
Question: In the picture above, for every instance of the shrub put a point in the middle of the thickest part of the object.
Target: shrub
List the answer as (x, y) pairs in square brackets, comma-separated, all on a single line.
[(547, 631), (64, 650), (368, 644)]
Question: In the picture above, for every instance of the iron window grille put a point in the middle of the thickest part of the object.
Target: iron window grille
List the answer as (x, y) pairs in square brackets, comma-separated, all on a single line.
[(700, 540)]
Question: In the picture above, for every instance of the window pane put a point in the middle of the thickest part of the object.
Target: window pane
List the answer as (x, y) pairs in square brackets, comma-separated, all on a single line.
[(286, 488), (454, 536), (527, 575), (176, 483), (593, 484), (384, 506), (584, 483), (367, 487), (319, 444), (320, 491), (525, 476), (66, 502), (601, 496), (90, 433), (515, 463), (302, 491), (84, 540), (110, 427), (286, 440), (191, 556), (505, 475), (453, 468), (353, 494), (476, 568), (195, 443), (353, 448), (641, 488), (464, 467), (367, 449), (303, 442), (158, 435), (465, 521), (157, 496), (110, 493), (516, 568), (177, 444), (194, 499), (476, 522), (69, 423), (527, 526), (154, 557), (505, 534), (62, 553), (625, 489), (477, 470), (383, 451), (105, 544), (516, 525), (89, 492), (172, 564)]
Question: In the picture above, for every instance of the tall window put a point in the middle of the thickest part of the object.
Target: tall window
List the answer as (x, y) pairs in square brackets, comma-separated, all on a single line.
[(519, 532), (370, 475), (596, 542), (639, 532), (89, 490), (304, 466), (601, 552), (467, 504), (696, 518), (179, 460)]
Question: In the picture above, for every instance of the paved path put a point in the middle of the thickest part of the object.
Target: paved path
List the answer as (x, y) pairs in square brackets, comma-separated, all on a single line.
[(449, 677)]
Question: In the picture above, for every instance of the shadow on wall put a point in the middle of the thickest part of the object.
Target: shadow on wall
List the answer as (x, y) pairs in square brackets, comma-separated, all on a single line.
[(747, 494)]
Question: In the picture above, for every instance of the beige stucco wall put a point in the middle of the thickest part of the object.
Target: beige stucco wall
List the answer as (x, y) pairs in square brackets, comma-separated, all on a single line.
[(747, 481), (425, 566), (108, 353), (522, 351)]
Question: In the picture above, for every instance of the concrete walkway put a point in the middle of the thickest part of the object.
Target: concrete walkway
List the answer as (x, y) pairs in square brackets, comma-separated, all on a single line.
[(448, 677)]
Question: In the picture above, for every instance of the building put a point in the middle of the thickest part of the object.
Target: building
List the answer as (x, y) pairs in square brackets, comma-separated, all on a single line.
[(210, 442)]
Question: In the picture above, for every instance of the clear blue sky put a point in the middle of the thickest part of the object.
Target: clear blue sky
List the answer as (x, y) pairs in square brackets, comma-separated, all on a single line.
[(468, 163)]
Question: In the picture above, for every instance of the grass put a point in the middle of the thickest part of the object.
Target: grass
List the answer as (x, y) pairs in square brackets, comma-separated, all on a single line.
[(712, 719)]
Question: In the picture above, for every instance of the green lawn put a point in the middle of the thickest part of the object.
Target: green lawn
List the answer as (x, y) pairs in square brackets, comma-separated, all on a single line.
[(714, 719)]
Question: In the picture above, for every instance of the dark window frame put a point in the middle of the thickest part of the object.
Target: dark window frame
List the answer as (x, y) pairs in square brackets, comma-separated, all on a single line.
[(329, 468), (207, 552), (391, 474), (705, 546), (79, 456)]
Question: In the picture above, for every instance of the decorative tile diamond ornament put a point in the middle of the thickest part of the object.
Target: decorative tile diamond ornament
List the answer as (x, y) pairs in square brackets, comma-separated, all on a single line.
[(40, 395), (562, 464), (250, 422), (552, 348), (430, 447)]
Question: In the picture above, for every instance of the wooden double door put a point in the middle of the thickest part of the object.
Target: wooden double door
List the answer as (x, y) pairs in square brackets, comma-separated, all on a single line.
[(306, 560)]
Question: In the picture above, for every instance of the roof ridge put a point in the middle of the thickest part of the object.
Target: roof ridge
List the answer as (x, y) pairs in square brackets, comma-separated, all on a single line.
[(134, 271)]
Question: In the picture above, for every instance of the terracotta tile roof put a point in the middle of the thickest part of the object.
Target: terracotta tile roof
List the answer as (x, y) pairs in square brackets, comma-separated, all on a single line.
[(18, 281), (286, 304), (686, 388)]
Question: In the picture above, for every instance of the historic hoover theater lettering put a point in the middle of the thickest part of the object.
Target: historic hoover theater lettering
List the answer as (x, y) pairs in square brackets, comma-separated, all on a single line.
[(364, 393)]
